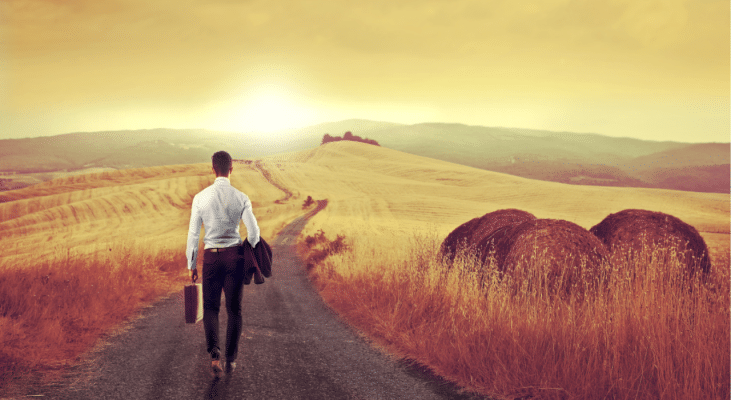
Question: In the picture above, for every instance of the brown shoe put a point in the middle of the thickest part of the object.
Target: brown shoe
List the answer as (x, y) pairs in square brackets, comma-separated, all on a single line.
[(216, 368)]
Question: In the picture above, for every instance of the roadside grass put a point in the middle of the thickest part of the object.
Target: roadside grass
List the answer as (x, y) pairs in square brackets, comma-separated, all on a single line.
[(52, 311), (81, 254), (652, 336)]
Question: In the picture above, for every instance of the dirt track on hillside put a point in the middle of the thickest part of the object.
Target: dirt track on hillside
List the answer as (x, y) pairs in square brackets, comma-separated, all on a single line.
[(259, 166)]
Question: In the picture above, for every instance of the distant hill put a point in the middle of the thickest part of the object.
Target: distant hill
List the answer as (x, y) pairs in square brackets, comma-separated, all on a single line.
[(488, 145), (124, 149), (567, 157), (573, 158)]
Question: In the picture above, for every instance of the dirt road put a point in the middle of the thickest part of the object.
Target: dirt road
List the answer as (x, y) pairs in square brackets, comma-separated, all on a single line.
[(292, 347), (259, 166)]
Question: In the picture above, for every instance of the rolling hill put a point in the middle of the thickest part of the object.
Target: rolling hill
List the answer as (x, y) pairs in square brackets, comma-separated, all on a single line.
[(573, 158), (381, 189)]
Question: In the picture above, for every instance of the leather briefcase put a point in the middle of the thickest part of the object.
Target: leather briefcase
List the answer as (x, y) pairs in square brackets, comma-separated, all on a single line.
[(193, 294)]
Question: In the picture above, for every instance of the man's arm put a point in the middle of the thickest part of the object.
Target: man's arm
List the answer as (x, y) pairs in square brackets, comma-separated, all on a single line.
[(252, 228), (194, 231)]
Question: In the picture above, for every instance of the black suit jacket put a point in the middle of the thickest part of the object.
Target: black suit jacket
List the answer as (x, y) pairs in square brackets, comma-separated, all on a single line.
[(257, 261)]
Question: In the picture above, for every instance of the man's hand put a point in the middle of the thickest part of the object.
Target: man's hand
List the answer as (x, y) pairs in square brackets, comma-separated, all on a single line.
[(193, 274)]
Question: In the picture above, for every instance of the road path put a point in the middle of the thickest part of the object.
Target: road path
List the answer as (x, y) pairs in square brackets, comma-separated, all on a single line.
[(292, 347), (259, 166)]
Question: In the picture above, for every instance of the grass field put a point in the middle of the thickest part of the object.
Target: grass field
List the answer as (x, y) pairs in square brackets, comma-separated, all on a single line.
[(654, 337), (381, 201), (81, 254)]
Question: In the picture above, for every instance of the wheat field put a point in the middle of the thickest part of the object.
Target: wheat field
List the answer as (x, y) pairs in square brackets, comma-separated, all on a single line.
[(70, 231), (81, 254), (392, 194)]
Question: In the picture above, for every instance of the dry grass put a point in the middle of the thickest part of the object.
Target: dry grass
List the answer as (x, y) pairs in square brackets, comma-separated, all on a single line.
[(77, 260), (53, 310), (648, 339), (377, 195), (653, 337), (82, 212)]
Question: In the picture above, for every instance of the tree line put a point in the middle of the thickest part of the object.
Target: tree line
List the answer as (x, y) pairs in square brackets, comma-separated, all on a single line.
[(348, 136)]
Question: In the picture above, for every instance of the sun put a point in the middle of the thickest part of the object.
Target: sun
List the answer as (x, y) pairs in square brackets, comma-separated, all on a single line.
[(269, 109)]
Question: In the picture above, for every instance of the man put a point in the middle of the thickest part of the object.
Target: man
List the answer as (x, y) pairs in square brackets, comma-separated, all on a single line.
[(220, 207)]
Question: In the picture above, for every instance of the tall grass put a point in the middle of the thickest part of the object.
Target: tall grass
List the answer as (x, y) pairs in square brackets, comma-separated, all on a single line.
[(656, 335), (54, 309), (118, 237)]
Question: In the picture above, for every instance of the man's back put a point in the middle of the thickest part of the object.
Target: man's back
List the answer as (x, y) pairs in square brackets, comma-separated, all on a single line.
[(219, 208)]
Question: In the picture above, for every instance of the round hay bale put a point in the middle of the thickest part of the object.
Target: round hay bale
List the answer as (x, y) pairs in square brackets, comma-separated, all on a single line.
[(556, 254), (630, 233), (466, 237), (459, 239), (495, 246)]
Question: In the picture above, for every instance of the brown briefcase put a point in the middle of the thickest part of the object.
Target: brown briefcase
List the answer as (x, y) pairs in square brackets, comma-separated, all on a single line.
[(193, 303)]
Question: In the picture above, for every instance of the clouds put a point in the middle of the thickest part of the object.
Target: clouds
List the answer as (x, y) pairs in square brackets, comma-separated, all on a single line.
[(184, 55), (458, 28), (424, 28)]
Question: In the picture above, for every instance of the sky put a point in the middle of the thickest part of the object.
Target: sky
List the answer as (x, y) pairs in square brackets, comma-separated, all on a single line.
[(649, 69)]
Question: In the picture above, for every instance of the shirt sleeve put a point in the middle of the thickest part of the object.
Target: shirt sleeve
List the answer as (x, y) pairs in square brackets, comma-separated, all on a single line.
[(194, 231), (252, 228)]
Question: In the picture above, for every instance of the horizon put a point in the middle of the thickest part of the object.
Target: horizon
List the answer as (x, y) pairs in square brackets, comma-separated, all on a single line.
[(278, 135), (647, 69)]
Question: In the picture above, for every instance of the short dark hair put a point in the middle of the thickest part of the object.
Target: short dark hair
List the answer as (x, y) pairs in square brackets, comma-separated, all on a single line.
[(221, 162)]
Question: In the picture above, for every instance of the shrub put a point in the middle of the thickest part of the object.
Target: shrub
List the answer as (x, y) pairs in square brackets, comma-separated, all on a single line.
[(319, 247)]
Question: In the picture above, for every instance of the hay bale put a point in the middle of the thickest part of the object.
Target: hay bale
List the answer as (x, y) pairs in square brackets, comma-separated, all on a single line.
[(630, 233), (466, 237), (555, 254), (459, 239), (496, 245)]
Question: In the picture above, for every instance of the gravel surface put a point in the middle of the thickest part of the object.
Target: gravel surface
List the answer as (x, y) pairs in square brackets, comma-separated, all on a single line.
[(292, 347)]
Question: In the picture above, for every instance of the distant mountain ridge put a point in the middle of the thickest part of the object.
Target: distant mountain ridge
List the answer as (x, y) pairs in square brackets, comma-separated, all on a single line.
[(573, 158)]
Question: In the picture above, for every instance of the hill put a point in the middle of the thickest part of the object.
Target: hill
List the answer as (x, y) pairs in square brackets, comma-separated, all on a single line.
[(393, 184), (585, 159), (573, 158), (118, 149), (378, 187)]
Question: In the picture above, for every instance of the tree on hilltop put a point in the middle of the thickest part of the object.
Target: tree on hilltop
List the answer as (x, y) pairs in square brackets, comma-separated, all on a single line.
[(327, 139), (348, 136)]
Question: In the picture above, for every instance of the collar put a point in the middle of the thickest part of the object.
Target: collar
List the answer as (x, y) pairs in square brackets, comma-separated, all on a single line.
[(222, 179)]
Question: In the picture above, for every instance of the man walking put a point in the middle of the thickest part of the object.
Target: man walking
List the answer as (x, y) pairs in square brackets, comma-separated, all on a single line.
[(220, 208)]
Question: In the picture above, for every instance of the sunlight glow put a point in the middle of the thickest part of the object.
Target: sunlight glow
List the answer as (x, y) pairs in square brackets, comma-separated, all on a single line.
[(269, 109)]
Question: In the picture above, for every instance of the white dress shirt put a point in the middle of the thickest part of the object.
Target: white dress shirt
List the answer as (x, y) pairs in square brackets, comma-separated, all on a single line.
[(220, 207)]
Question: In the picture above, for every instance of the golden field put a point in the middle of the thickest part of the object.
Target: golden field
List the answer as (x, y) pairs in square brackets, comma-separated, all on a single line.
[(393, 210), (80, 254)]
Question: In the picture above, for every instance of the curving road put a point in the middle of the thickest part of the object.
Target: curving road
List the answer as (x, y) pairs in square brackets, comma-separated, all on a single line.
[(259, 166), (292, 347)]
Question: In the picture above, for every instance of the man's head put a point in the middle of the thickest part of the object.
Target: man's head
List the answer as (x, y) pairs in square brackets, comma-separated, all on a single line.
[(222, 164)]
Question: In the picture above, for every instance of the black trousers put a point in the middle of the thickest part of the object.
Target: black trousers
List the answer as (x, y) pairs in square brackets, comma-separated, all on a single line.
[(222, 271)]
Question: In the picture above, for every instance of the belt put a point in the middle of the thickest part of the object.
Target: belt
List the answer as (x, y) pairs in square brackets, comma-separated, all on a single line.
[(222, 250)]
